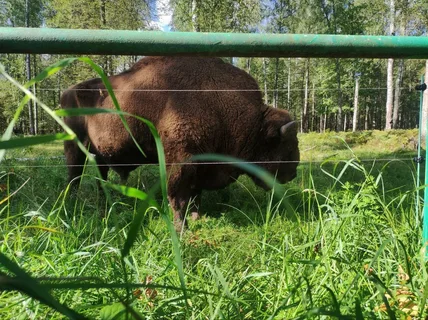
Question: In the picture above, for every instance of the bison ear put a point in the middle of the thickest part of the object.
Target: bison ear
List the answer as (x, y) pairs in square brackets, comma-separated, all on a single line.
[(287, 129)]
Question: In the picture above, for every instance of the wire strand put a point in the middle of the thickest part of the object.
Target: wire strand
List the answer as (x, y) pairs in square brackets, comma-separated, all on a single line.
[(218, 90), (195, 163)]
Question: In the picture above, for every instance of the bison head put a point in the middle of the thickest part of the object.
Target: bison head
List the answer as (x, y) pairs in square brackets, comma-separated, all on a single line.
[(278, 146)]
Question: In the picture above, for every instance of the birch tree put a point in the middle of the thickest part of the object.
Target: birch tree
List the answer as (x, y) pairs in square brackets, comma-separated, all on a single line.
[(356, 95), (390, 73), (305, 119), (28, 73), (397, 94)]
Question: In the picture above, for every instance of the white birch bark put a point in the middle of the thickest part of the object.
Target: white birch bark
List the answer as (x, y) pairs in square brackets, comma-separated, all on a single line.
[(390, 75), (356, 94)]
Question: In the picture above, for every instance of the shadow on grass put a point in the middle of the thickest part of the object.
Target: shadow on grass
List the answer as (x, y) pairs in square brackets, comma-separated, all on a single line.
[(241, 203)]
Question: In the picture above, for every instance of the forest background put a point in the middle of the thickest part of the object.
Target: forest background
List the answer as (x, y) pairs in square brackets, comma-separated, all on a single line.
[(324, 94)]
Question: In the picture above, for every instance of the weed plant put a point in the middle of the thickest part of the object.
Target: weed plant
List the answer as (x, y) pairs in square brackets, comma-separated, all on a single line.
[(342, 241)]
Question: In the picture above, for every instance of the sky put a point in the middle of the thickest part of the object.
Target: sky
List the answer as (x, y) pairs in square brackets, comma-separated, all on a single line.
[(163, 15)]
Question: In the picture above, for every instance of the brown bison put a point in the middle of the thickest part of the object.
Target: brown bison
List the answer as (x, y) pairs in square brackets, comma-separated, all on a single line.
[(198, 105)]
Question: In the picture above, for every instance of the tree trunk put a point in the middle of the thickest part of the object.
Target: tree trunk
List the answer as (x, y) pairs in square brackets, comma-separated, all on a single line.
[(325, 121), (196, 27), (103, 13), (306, 99), (366, 117), (339, 96), (103, 19), (28, 71), (389, 94), (396, 118), (397, 94), (58, 93), (36, 111), (355, 117), (377, 111), (313, 107), (390, 74), (275, 94), (265, 80), (400, 118)]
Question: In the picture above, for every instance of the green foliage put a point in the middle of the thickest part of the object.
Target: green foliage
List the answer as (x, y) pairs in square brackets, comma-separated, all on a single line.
[(338, 245), (9, 98), (359, 198), (358, 138), (102, 14), (13, 13), (115, 311), (336, 248), (216, 16)]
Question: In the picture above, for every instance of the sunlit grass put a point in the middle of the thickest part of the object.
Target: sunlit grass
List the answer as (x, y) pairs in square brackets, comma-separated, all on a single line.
[(254, 262), (343, 242)]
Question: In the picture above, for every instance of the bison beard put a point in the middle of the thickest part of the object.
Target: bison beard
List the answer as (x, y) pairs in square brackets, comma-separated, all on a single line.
[(198, 105)]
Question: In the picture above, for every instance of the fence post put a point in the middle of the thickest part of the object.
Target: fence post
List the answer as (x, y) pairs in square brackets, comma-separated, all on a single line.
[(423, 114), (425, 211)]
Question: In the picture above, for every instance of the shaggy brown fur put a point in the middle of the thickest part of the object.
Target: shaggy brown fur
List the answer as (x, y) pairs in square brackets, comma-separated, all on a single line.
[(235, 123)]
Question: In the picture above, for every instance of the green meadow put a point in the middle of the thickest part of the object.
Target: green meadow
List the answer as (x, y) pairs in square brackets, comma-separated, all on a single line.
[(342, 241)]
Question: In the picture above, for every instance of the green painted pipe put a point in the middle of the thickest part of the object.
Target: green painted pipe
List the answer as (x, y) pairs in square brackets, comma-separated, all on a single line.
[(425, 212), (117, 42), (418, 163)]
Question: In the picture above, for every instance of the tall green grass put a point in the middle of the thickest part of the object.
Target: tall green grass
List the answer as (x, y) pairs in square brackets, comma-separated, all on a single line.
[(340, 242)]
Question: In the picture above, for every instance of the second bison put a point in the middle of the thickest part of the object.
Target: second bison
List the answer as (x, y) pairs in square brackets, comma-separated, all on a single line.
[(198, 105)]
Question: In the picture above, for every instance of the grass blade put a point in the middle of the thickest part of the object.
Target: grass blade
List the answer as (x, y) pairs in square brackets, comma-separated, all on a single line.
[(146, 202), (31, 141), (26, 284), (358, 310)]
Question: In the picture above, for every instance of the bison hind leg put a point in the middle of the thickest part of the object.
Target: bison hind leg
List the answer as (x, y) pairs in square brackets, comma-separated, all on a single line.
[(184, 203), (124, 177), (75, 160), (123, 172)]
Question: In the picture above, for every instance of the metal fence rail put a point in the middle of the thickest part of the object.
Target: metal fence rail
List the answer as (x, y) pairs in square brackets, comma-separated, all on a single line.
[(120, 42)]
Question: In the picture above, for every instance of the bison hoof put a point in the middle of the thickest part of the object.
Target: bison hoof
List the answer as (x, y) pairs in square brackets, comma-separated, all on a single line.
[(179, 226), (195, 216)]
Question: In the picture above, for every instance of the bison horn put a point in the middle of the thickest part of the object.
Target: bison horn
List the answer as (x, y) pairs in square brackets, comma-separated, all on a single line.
[(287, 127)]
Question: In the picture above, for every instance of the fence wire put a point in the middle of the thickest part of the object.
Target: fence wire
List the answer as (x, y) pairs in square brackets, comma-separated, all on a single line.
[(411, 89), (172, 164), (3, 165)]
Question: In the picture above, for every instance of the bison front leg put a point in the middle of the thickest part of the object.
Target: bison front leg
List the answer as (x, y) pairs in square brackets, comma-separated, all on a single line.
[(103, 168), (195, 205), (178, 204), (181, 193), (75, 160)]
